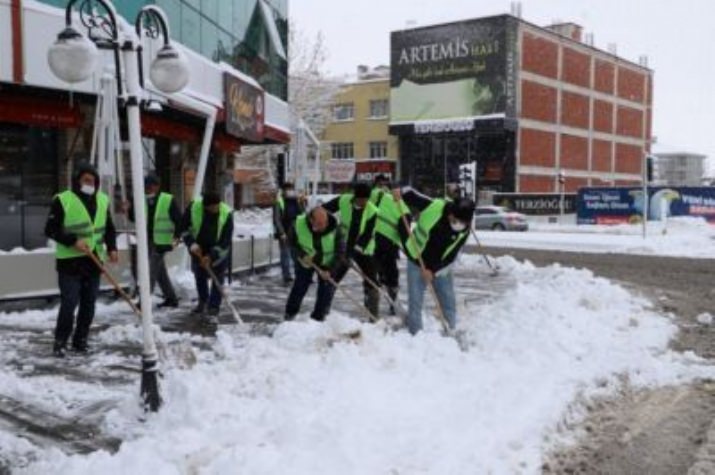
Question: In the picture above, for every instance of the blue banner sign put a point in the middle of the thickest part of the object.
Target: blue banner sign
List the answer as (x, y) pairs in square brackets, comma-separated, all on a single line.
[(625, 205)]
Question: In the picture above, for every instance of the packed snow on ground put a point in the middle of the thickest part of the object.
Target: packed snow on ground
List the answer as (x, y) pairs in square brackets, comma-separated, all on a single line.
[(679, 237), (311, 401)]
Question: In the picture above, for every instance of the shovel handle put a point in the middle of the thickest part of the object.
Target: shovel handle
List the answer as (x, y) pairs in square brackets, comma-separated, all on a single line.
[(114, 283)]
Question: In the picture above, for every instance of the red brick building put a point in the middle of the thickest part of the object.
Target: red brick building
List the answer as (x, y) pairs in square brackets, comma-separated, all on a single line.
[(524, 102), (581, 110)]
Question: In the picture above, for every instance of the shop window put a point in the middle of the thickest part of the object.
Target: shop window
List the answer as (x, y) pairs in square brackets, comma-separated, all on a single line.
[(343, 112), (378, 149), (342, 150)]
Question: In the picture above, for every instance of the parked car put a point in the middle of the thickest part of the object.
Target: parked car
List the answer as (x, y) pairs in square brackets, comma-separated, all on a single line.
[(498, 218)]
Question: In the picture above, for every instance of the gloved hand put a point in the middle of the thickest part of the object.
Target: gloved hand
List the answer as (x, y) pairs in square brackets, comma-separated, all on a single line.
[(195, 249), (307, 260)]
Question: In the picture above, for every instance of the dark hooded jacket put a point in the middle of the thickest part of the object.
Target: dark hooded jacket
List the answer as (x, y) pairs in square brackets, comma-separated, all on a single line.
[(54, 227)]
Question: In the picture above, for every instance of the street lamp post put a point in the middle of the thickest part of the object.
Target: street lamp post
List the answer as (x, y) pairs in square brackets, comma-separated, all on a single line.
[(562, 186), (72, 58)]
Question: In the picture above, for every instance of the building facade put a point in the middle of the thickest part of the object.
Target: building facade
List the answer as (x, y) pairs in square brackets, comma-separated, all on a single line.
[(356, 141), (524, 102), (46, 126), (679, 169)]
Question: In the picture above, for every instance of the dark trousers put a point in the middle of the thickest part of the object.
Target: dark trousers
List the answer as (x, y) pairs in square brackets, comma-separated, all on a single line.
[(303, 279), (387, 263), (158, 273), (202, 278), (368, 266), (76, 290)]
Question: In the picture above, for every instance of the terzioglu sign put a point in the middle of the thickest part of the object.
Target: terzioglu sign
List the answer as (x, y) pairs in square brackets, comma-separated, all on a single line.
[(245, 109)]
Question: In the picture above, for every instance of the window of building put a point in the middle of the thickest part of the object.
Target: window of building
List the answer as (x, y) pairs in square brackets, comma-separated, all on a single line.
[(342, 150), (343, 112), (378, 109), (378, 149)]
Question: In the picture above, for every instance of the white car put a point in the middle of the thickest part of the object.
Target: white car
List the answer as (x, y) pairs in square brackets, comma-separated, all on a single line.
[(498, 218)]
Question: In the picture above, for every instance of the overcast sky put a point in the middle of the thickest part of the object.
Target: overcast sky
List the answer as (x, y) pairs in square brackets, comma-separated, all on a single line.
[(677, 36)]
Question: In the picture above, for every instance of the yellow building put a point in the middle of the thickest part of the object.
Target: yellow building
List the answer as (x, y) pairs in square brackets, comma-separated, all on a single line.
[(358, 130)]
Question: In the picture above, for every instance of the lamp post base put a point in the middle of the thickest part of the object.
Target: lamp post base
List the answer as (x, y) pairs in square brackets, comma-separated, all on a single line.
[(149, 391)]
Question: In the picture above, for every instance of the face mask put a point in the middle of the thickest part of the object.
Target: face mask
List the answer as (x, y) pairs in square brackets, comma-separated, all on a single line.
[(457, 226), (290, 194), (151, 196), (87, 189), (358, 207)]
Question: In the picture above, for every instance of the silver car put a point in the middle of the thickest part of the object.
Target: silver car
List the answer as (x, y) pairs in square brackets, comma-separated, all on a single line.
[(498, 218)]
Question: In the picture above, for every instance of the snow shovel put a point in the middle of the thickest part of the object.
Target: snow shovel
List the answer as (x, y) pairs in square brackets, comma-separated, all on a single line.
[(495, 269), (440, 311), (114, 283), (217, 283), (396, 304), (367, 312)]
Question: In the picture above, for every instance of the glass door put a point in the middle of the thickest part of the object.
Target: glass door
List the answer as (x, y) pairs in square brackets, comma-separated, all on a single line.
[(13, 147)]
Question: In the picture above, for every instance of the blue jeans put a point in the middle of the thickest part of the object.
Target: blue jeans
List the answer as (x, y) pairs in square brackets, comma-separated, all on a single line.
[(286, 259), (76, 290), (202, 283), (416, 285), (303, 279)]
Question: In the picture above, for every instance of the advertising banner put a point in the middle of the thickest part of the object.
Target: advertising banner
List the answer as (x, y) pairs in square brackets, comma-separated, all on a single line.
[(455, 70), (536, 203), (367, 170), (339, 171), (625, 205), (245, 111)]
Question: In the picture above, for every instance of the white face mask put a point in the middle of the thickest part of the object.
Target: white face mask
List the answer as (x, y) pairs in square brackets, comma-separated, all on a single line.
[(151, 196), (87, 189), (290, 194), (457, 226)]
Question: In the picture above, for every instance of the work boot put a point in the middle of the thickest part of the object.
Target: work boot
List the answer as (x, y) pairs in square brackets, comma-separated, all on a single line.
[(211, 317), (58, 349), (80, 346), (200, 309), (168, 303)]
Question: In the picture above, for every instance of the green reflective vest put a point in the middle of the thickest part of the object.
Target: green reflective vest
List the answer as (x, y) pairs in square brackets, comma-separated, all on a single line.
[(163, 225), (281, 202), (345, 208), (197, 217), (426, 222), (389, 214), (325, 257), (78, 222)]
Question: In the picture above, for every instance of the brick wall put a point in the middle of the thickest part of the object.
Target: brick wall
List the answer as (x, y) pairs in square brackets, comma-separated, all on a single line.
[(537, 148), (540, 56), (538, 102), (575, 110), (536, 184)]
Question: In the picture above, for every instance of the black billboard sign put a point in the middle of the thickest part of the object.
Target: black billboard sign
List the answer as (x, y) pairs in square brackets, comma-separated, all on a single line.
[(245, 109), (461, 69)]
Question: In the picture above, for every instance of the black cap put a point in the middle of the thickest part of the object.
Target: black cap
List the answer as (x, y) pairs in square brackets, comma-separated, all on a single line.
[(151, 180), (288, 186), (211, 198), (361, 190), (462, 209)]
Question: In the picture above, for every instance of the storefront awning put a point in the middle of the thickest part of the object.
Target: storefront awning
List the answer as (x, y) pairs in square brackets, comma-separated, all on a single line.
[(39, 111)]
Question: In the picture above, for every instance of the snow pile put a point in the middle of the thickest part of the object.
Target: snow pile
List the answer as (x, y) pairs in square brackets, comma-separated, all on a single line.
[(253, 222), (682, 237), (314, 400)]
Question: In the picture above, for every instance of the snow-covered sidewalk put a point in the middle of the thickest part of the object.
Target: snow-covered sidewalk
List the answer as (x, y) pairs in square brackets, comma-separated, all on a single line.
[(681, 237), (308, 401)]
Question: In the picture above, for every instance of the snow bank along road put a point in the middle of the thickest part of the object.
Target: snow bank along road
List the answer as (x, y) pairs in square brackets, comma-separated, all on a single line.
[(661, 431), (299, 397)]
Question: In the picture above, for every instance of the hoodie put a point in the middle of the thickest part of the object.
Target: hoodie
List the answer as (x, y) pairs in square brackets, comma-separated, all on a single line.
[(54, 227)]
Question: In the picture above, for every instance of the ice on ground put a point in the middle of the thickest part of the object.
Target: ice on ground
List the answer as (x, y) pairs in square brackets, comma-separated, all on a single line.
[(316, 399), (705, 318)]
